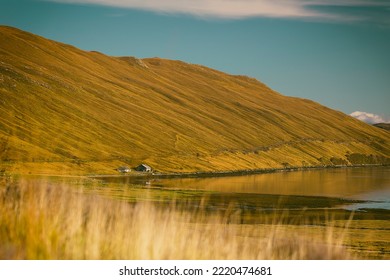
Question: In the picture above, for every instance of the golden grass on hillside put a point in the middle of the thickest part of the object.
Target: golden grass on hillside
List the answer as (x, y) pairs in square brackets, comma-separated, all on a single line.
[(46, 221), (68, 111)]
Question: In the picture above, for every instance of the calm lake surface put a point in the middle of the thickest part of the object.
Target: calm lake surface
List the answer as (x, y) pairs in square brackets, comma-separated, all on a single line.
[(371, 186)]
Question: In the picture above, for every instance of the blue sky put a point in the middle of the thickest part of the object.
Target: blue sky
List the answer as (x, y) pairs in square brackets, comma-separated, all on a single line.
[(336, 52)]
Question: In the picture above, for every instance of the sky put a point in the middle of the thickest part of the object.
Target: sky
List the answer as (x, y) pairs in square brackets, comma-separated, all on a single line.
[(335, 52)]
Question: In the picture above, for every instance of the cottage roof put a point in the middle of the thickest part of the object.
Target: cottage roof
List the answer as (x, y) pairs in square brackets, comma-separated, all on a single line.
[(143, 167)]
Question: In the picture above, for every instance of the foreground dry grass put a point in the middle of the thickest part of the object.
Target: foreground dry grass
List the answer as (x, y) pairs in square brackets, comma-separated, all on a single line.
[(45, 221)]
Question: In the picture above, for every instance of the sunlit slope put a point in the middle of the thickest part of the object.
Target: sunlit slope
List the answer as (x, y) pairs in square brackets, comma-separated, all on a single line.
[(67, 110)]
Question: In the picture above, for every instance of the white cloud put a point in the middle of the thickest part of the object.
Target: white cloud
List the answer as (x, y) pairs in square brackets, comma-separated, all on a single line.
[(236, 9), (369, 117), (218, 8)]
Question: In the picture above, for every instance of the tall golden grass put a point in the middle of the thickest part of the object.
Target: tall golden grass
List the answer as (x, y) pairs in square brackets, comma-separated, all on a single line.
[(48, 221)]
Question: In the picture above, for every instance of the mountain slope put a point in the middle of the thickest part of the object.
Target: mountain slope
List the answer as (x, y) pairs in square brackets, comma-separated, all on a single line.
[(385, 126), (67, 110)]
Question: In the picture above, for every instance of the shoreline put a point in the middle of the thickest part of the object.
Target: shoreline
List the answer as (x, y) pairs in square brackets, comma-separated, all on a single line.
[(229, 173), (197, 174)]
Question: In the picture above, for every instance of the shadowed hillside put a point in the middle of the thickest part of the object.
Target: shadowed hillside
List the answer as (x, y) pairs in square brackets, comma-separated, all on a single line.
[(383, 125), (64, 110)]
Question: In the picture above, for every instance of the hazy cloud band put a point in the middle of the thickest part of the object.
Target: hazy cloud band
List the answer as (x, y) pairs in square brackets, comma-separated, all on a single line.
[(236, 9)]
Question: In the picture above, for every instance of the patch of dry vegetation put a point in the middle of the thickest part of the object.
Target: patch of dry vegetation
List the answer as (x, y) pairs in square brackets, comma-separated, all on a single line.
[(45, 221)]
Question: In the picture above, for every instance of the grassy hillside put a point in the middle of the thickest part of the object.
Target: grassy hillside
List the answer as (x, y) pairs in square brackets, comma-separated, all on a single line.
[(64, 110), (383, 125)]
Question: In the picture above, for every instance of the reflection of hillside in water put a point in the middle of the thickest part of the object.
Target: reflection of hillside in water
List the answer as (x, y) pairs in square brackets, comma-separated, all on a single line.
[(354, 183)]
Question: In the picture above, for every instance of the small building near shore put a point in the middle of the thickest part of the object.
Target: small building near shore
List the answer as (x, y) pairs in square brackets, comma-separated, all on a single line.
[(143, 168), (123, 169)]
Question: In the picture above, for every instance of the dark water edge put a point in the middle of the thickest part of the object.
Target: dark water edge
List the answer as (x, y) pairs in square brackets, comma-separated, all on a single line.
[(244, 208), (230, 173)]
